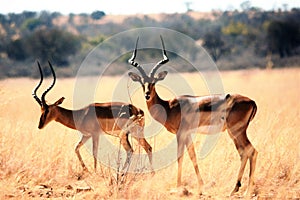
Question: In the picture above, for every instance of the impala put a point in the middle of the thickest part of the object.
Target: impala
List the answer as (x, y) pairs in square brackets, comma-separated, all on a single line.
[(113, 118), (205, 114)]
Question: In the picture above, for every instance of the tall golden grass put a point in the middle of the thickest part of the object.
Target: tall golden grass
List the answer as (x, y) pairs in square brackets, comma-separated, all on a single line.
[(42, 163)]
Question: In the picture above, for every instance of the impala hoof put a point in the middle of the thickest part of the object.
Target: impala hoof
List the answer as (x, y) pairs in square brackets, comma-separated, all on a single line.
[(153, 173), (180, 191)]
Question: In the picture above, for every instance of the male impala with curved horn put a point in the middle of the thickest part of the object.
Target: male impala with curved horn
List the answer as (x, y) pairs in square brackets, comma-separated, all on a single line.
[(114, 118), (208, 114)]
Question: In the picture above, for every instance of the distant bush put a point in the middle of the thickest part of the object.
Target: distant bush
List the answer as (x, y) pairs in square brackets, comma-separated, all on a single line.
[(31, 24), (54, 44), (97, 15), (235, 29), (214, 44), (283, 37), (45, 44), (15, 50)]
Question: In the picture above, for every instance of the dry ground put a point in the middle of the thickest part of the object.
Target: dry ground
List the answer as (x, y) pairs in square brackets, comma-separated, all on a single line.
[(42, 163)]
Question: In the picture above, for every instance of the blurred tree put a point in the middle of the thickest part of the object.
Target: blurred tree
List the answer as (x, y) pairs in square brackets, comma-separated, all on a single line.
[(182, 23), (214, 44), (46, 18), (246, 5), (44, 44), (15, 50), (97, 15), (55, 14), (235, 29), (96, 40), (2, 19), (71, 18), (29, 14), (31, 24), (53, 44), (283, 37)]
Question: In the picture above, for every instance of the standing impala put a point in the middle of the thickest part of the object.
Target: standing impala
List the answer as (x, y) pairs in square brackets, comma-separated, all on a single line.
[(114, 118), (208, 114)]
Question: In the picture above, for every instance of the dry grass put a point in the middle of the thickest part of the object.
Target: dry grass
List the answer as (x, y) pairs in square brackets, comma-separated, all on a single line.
[(42, 163)]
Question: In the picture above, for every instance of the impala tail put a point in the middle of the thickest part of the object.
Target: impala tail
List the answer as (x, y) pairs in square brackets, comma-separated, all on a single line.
[(254, 109)]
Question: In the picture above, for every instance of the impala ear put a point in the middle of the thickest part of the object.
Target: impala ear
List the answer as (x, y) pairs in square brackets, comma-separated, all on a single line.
[(135, 77), (161, 76), (59, 101)]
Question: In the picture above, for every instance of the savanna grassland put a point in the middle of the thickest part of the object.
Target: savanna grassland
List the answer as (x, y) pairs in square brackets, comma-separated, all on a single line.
[(42, 163)]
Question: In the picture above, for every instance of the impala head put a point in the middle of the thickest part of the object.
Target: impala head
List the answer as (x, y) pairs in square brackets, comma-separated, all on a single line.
[(148, 81), (49, 111)]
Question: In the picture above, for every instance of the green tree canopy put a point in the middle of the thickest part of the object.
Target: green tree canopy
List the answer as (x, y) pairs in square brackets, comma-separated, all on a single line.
[(235, 29)]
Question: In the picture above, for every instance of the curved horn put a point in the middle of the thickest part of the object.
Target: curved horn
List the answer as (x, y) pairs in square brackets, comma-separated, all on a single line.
[(135, 64), (51, 86), (162, 62), (38, 86)]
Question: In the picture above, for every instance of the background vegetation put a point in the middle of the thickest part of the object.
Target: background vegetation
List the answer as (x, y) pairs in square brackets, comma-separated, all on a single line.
[(235, 39)]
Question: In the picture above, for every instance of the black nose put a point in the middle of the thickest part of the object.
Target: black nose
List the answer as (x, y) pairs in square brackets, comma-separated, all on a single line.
[(147, 96), (40, 126)]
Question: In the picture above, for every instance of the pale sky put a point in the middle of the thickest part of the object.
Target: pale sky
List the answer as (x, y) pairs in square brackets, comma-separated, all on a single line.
[(135, 6)]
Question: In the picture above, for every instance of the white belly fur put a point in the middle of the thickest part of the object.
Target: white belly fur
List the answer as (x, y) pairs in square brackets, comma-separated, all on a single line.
[(116, 126), (208, 129)]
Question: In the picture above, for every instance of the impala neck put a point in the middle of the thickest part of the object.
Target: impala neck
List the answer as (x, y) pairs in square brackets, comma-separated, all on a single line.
[(156, 105), (65, 117)]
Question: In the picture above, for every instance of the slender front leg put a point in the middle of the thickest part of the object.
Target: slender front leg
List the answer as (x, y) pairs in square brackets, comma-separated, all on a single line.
[(95, 149), (129, 151), (179, 161), (193, 157), (147, 147), (81, 142), (180, 153)]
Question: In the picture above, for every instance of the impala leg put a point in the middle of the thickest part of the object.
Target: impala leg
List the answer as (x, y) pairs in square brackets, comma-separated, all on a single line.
[(252, 160), (81, 142), (125, 143), (244, 159), (95, 149), (180, 154), (193, 157), (179, 161), (138, 130), (143, 142), (246, 151), (237, 123)]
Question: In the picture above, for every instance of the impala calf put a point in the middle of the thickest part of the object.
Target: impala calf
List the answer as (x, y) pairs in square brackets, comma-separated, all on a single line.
[(209, 114), (113, 118)]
